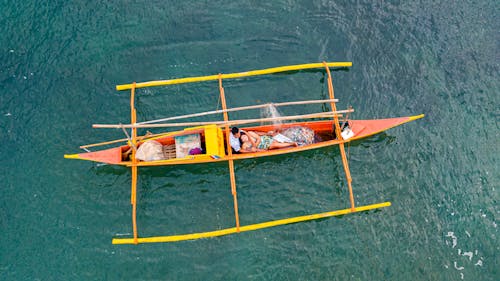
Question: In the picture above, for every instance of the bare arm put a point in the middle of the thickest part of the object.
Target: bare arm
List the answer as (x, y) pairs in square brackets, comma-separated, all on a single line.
[(246, 150), (270, 133), (247, 147), (253, 149), (254, 138)]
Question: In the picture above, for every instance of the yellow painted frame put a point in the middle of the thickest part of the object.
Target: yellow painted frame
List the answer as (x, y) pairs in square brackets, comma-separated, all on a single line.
[(230, 158)]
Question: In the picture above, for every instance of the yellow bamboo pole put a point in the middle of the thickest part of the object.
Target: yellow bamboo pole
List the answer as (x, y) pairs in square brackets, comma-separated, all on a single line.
[(245, 228), (339, 137), (230, 153), (133, 193), (224, 123), (233, 75), (134, 202)]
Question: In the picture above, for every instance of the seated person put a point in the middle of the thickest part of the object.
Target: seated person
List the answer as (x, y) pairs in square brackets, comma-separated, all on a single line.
[(234, 139)]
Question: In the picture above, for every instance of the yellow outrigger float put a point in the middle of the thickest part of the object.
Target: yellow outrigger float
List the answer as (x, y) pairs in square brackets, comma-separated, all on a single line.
[(217, 145)]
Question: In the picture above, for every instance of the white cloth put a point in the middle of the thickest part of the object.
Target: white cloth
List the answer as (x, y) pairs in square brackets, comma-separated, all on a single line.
[(347, 133), (235, 142), (281, 138), (151, 150)]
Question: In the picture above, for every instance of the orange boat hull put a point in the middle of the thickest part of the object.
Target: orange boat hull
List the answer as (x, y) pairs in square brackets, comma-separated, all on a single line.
[(360, 128)]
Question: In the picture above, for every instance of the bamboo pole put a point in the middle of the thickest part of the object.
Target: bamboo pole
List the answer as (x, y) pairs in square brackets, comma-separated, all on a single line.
[(144, 137), (236, 109), (224, 123), (103, 143), (134, 203), (230, 153), (339, 137), (133, 193), (233, 75), (203, 114)]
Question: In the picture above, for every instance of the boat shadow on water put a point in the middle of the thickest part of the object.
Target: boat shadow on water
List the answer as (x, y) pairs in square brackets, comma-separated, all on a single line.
[(374, 141)]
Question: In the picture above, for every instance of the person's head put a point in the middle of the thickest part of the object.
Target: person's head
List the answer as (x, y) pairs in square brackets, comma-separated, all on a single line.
[(244, 138), (235, 131)]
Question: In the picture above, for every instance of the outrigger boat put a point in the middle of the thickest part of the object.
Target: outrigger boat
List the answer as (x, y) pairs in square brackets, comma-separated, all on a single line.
[(211, 142)]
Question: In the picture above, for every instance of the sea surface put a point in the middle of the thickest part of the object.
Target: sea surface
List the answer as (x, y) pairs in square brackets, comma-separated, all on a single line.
[(60, 62)]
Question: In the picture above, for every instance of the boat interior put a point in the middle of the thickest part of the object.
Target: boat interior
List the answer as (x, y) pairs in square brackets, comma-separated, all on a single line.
[(209, 141)]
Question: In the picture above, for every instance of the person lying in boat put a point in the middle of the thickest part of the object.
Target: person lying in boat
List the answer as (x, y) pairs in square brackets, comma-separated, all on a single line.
[(247, 147), (257, 141)]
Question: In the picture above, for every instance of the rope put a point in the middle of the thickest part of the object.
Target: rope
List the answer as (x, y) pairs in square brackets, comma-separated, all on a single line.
[(346, 118)]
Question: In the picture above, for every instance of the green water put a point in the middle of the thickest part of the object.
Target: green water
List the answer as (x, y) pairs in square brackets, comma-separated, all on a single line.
[(61, 61)]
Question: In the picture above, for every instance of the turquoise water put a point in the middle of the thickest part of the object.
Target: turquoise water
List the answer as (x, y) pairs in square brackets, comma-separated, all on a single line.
[(61, 61)]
